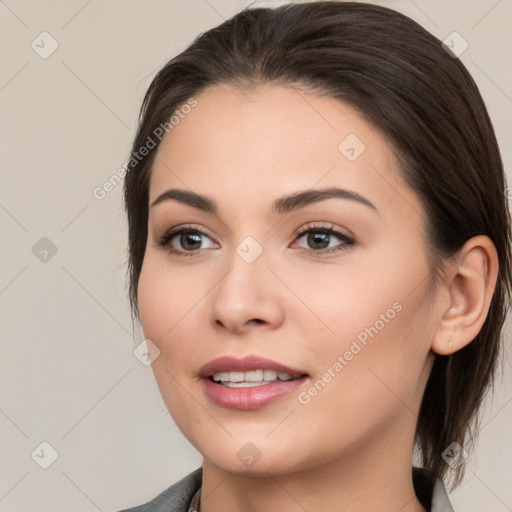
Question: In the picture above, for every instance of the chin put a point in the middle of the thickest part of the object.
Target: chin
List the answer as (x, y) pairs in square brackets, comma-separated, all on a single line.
[(244, 457)]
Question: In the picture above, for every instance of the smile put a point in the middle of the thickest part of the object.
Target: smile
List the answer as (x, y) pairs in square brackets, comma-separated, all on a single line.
[(248, 383), (249, 379)]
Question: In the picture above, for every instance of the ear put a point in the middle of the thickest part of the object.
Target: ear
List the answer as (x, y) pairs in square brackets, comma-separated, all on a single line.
[(470, 284)]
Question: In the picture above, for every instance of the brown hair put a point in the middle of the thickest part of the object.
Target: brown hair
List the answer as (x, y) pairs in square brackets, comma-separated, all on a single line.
[(424, 101)]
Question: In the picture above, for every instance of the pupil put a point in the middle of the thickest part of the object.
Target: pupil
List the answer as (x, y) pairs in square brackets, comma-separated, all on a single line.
[(318, 238)]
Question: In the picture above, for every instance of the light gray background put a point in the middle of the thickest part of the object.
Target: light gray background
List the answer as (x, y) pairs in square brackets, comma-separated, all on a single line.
[(67, 372)]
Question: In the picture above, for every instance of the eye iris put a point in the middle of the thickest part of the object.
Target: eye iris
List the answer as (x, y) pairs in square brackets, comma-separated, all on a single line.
[(318, 238), (188, 237)]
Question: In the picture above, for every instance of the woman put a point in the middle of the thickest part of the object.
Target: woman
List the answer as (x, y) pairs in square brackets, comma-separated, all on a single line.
[(319, 248)]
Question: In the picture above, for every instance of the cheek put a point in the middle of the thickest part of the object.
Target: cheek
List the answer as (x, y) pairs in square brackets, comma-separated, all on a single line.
[(153, 304), (167, 317), (379, 359), (374, 386), (166, 310), (346, 304), (374, 335), (167, 298)]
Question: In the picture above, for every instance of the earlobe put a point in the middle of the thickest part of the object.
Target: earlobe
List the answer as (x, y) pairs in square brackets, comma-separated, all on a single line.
[(471, 284)]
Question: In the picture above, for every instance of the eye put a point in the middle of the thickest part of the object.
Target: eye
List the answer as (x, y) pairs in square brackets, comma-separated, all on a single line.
[(322, 239), (185, 240), (316, 239)]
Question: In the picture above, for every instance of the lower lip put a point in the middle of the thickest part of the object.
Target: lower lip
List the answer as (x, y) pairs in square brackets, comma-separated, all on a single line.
[(252, 397)]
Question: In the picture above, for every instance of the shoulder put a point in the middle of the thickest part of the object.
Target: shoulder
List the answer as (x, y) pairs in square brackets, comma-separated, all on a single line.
[(175, 498)]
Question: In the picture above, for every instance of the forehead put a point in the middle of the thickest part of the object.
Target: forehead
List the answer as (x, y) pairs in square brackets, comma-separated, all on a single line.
[(275, 138)]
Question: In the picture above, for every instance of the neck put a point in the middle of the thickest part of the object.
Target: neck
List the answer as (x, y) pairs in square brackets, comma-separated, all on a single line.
[(371, 477)]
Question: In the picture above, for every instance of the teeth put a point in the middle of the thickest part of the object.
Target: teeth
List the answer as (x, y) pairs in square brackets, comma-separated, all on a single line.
[(254, 376), (269, 375), (221, 376), (236, 376), (251, 378)]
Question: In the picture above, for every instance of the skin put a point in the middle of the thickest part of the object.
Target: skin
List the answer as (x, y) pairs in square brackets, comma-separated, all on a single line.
[(351, 445)]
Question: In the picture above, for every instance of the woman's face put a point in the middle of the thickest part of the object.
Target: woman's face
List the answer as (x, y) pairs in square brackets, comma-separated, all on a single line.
[(328, 287)]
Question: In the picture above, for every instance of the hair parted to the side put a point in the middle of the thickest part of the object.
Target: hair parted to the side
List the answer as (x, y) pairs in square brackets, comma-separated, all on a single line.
[(422, 99)]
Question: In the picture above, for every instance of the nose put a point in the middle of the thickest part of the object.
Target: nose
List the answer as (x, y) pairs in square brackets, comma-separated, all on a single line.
[(247, 297)]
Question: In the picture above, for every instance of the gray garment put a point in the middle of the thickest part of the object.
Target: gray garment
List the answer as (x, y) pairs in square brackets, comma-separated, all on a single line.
[(429, 490)]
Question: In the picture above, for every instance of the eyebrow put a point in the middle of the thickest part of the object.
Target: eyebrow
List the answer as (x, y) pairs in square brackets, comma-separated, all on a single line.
[(281, 205)]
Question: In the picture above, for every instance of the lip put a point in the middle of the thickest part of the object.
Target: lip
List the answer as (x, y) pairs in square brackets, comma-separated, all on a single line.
[(252, 397)]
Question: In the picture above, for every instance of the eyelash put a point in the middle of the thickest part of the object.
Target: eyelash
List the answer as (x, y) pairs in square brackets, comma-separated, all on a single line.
[(326, 230), (309, 228)]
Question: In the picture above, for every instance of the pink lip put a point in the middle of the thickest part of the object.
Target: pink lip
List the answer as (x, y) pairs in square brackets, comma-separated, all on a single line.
[(252, 397)]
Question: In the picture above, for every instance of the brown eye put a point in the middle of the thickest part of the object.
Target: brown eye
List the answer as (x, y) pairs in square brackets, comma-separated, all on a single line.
[(185, 241), (318, 240), (323, 239), (190, 241)]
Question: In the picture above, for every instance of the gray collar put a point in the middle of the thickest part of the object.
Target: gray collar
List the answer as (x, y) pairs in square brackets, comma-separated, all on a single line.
[(430, 491)]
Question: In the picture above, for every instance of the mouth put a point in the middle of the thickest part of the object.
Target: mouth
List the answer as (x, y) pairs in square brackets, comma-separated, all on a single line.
[(260, 377), (250, 382)]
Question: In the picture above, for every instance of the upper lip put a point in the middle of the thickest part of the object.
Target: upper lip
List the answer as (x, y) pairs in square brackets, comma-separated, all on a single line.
[(246, 364)]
